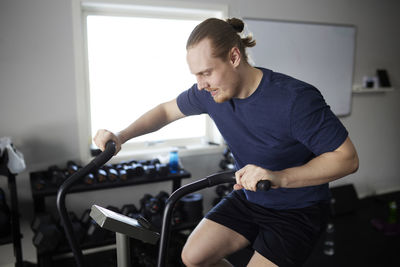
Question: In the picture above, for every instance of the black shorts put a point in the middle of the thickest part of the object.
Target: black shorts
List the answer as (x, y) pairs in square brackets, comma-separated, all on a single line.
[(285, 237)]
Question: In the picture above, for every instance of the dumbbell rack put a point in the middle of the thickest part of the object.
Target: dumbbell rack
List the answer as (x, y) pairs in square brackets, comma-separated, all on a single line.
[(15, 235), (39, 197)]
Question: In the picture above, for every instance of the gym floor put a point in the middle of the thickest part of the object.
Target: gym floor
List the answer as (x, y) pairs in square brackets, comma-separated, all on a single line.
[(357, 242)]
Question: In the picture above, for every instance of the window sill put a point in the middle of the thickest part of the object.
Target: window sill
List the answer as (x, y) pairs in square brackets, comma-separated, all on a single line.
[(163, 152)]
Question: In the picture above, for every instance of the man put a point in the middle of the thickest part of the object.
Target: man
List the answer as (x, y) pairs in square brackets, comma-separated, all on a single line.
[(278, 129)]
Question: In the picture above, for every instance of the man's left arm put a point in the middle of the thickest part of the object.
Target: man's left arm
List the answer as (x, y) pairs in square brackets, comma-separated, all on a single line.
[(322, 169)]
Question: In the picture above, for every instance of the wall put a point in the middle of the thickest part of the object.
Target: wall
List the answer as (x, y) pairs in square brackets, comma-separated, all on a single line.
[(38, 100)]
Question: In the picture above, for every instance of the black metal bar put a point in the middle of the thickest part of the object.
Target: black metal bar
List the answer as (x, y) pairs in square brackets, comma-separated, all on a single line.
[(209, 181), (96, 163), (16, 236), (15, 224), (219, 178)]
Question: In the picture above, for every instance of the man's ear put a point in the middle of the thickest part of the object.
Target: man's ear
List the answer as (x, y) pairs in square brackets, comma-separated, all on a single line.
[(235, 56)]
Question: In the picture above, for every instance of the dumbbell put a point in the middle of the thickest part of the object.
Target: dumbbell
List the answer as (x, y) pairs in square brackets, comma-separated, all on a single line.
[(162, 169), (56, 175), (89, 179), (85, 218), (101, 176), (47, 235), (177, 214), (222, 191), (135, 169), (152, 207), (39, 183), (162, 196), (154, 161), (228, 162), (143, 201), (129, 210), (72, 167), (150, 170), (41, 219), (149, 206), (113, 174), (123, 176)]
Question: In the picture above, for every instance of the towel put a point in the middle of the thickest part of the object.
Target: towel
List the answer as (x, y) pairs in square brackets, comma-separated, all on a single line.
[(16, 162)]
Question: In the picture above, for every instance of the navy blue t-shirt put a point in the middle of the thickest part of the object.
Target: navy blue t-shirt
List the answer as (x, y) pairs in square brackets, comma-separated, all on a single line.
[(284, 123)]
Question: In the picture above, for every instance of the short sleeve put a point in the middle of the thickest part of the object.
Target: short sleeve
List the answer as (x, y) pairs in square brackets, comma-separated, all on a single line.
[(314, 124), (191, 101)]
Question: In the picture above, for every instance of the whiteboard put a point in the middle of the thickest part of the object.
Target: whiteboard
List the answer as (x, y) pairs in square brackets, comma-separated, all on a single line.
[(319, 54)]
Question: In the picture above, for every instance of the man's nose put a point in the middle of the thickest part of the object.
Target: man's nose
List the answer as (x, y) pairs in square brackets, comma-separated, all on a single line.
[(201, 84)]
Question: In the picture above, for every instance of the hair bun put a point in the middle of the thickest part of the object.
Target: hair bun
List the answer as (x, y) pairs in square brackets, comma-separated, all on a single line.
[(237, 24)]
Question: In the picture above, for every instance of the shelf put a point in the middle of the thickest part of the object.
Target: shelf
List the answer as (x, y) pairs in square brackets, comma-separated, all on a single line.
[(358, 89), (51, 189)]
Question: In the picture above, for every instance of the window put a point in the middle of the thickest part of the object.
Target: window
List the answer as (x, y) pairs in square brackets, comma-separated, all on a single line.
[(136, 59)]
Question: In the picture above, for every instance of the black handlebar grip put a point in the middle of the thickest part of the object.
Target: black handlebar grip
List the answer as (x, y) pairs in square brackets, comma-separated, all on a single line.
[(263, 185), (111, 146), (106, 155)]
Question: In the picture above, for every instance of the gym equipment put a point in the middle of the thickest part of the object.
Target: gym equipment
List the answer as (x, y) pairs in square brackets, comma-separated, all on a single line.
[(14, 235), (150, 170), (192, 207), (152, 207), (134, 170), (72, 167), (125, 226), (123, 175), (113, 174), (162, 169), (57, 176), (41, 219), (89, 179), (129, 210), (228, 162), (5, 219), (40, 184), (47, 235), (101, 176), (85, 218), (95, 164), (139, 231), (222, 190), (92, 233)]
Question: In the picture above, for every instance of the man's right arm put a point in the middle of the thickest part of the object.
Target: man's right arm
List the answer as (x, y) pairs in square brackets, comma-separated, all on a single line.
[(151, 121)]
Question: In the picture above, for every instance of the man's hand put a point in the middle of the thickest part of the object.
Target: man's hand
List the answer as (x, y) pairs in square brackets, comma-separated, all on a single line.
[(248, 177), (103, 136)]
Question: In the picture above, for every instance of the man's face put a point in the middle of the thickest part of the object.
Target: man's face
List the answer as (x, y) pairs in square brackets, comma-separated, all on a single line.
[(213, 74)]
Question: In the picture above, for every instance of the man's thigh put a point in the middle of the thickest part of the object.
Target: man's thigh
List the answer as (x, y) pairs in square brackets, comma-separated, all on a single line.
[(212, 241)]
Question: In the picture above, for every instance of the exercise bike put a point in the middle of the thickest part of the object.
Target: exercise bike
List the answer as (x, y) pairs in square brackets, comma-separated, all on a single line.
[(126, 227)]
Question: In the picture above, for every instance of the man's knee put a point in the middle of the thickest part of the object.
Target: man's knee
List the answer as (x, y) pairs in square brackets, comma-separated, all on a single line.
[(209, 243), (193, 254), (196, 259), (192, 257)]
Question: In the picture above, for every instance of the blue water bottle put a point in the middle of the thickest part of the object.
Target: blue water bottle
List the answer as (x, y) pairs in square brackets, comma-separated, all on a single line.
[(173, 161)]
